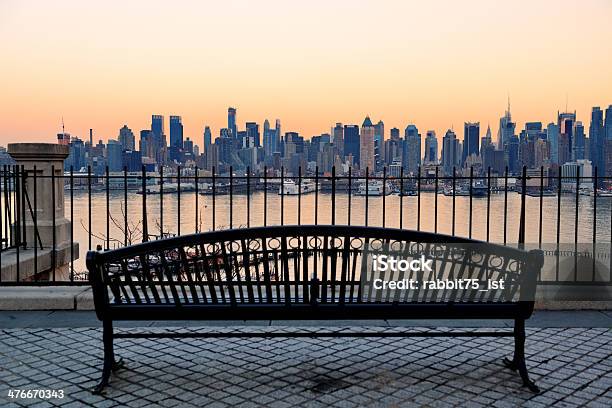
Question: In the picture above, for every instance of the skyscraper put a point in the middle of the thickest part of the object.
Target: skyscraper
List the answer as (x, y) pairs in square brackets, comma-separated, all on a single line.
[(338, 138), (578, 145), (127, 139), (506, 128), (431, 148), (351, 142), (471, 140), (565, 122), (394, 134), (552, 134), (450, 152), (252, 134), (231, 121), (596, 138), (367, 146), (157, 125), (207, 139), (411, 159), (114, 152), (176, 132), (270, 140)]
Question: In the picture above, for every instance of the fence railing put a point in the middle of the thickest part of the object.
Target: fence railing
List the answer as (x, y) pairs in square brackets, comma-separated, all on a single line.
[(123, 208)]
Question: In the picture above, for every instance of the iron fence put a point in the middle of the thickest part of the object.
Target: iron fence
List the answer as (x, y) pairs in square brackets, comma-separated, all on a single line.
[(120, 209)]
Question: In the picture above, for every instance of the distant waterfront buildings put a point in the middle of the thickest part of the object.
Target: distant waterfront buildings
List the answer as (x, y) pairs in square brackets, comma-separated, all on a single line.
[(259, 147)]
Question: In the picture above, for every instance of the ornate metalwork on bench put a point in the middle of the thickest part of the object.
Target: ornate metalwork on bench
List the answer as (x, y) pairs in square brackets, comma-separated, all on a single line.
[(308, 272)]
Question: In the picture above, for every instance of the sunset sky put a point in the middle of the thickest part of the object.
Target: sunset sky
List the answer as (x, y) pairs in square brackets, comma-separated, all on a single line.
[(309, 63)]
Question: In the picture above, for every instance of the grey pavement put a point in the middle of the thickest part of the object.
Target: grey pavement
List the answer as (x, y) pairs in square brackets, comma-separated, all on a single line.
[(63, 351)]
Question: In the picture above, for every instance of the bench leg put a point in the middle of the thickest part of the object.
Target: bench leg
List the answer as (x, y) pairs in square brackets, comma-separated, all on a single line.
[(110, 364), (518, 361)]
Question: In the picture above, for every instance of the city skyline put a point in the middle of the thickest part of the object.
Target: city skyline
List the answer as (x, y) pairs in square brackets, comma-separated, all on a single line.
[(310, 65)]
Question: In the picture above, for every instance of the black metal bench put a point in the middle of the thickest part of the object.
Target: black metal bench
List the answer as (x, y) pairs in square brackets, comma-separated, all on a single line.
[(304, 272)]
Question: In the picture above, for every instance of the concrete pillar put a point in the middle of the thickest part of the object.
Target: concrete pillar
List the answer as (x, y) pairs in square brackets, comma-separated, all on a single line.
[(51, 222)]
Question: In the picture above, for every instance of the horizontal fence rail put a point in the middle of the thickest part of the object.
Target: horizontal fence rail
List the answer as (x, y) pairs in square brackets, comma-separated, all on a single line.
[(555, 213)]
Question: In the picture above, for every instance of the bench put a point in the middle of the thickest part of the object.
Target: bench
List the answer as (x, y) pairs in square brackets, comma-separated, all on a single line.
[(307, 272)]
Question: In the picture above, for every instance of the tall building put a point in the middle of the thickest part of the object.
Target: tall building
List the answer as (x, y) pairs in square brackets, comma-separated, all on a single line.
[(176, 132), (552, 134), (471, 140), (394, 134), (579, 142), (597, 138), (338, 138), (451, 154), (431, 148), (411, 158), (486, 140), (270, 140), (127, 139), (379, 137), (506, 128), (231, 121), (252, 135), (565, 122), (207, 139), (367, 146), (351, 142), (114, 158), (157, 125)]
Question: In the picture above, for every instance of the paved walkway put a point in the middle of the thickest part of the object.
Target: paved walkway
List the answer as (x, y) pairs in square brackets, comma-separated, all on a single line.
[(572, 366)]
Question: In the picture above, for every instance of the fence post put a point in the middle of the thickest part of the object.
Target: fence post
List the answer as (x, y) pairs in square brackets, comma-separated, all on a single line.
[(521, 238), (44, 223)]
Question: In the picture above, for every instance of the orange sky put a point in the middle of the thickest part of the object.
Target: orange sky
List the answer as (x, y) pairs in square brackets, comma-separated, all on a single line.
[(435, 63)]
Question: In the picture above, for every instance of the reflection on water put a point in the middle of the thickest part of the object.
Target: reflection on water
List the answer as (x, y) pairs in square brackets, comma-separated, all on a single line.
[(311, 209)]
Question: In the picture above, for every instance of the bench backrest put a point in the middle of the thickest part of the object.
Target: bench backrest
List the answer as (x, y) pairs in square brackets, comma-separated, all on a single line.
[(301, 264)]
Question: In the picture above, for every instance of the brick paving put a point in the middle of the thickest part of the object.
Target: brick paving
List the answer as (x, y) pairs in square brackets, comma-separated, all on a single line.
[(572, 366)]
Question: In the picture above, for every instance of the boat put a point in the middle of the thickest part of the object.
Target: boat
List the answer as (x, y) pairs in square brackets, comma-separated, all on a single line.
[(290, 187), (408, 193), (479, 189), (374, 188), (601, 193), (168, 188)]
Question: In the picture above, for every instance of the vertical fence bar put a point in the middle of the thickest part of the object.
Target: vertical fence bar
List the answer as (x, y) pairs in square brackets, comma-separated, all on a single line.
[(53, 221), (214, 192), (401, 220), (231, 198), (454, 204), (471, 201), (89, 231), (418, 213), (436, 201), (333, 197), (541, 206), (161, 202), (299, 215), (317, 195), (367, 190), (35, 220), (248, 192), (17, 193), (178, 199), (282, 191), (350, 195), (595, 182), (196, 200), (576, 223), (107, 209), (521, 237), (488, 201), (384, 198), (265, 196), (24, 176), (559, 187), (125, 209), (505, 205), (71, 224), (145, 221)]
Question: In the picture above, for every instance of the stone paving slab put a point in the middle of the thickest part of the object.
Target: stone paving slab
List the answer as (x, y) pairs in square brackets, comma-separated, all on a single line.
[(572, 366)]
